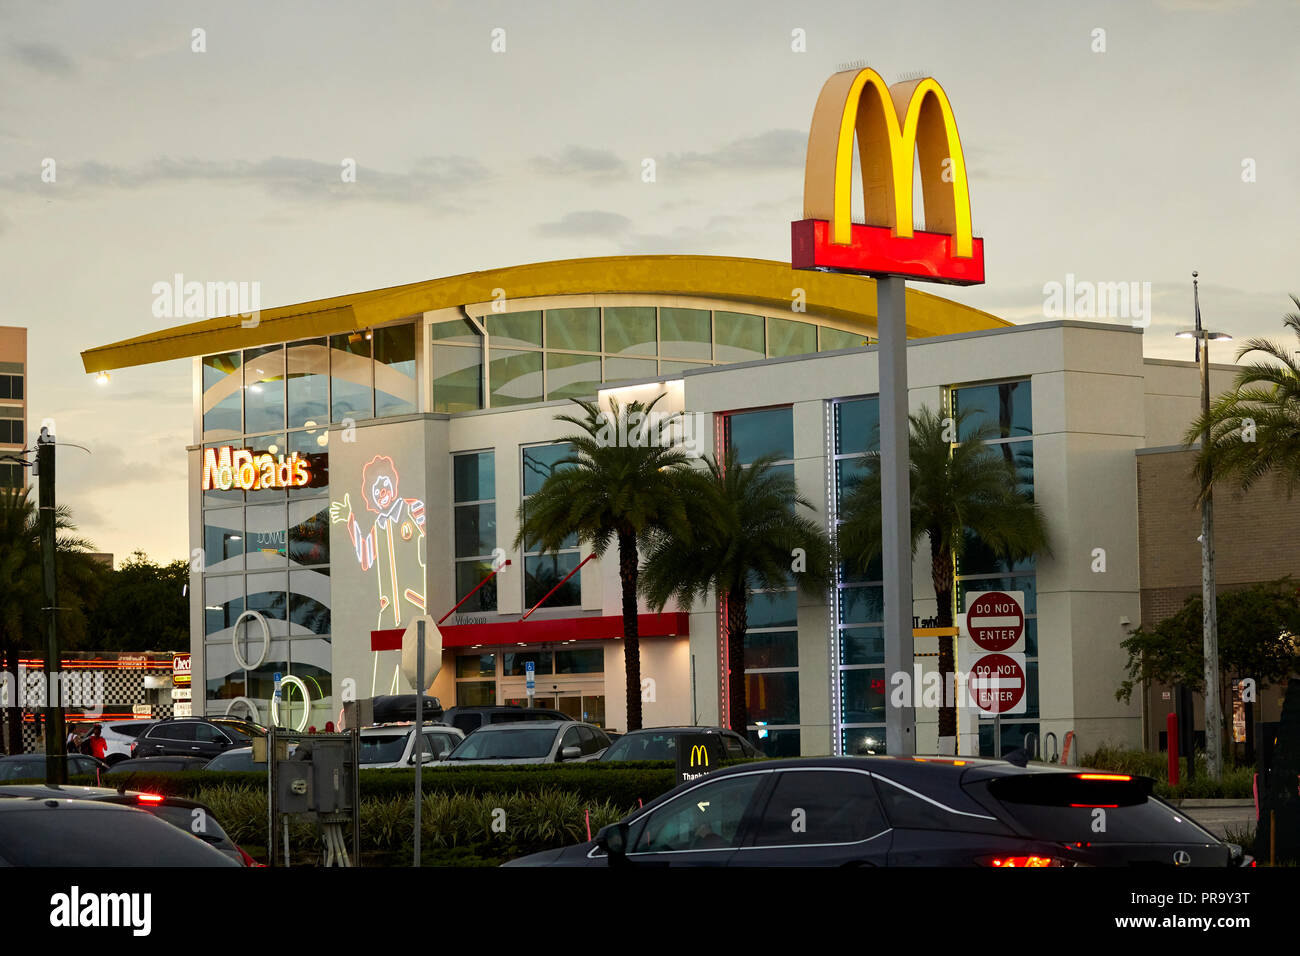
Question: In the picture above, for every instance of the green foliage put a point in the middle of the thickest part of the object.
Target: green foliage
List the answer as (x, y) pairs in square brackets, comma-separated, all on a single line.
[(144, 607), (1257, 628), (1267, 392)]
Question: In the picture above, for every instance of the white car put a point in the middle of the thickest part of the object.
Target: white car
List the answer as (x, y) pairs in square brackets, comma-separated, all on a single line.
[(120, 735), (534, 741), (393, 745)]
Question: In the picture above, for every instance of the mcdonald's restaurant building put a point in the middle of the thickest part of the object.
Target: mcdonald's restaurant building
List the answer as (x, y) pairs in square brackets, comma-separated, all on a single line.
[(360, 460)]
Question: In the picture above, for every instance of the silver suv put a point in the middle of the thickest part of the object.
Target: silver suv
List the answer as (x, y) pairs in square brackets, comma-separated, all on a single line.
[(533, 741), (393, 745)]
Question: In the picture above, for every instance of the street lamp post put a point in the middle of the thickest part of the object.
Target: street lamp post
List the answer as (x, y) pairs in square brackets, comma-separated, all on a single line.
[(1209, 604)]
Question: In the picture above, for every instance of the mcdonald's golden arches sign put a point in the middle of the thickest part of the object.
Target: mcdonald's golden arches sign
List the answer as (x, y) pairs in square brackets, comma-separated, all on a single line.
[(892, 125)]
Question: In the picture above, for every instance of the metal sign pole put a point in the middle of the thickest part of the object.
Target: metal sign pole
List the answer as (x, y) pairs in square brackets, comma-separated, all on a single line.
[(997, 733), (419, 733), (895, 508)]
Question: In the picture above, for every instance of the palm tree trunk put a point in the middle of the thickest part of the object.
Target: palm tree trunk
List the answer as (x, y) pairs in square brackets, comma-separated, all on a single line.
[(737, 625), (628, 561), (941, 576)]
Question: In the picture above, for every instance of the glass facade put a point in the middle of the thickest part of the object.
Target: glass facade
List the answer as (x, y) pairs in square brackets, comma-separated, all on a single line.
[(772, 634), (542, 572), (544, 355), (859, 649), (1005, 410), (475, 518)]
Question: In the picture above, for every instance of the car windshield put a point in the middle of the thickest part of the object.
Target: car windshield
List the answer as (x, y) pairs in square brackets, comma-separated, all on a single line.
[(383, 748), (643, 747), (509, 744)]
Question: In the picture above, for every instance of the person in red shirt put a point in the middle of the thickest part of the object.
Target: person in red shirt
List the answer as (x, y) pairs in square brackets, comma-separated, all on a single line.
[(98, 746)]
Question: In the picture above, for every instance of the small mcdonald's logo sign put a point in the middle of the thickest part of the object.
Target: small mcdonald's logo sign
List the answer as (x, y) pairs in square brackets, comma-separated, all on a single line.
[(695, 753)]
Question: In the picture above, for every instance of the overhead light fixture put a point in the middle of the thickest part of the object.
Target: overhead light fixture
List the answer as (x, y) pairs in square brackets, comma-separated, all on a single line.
[(102, 378), (323, 440)]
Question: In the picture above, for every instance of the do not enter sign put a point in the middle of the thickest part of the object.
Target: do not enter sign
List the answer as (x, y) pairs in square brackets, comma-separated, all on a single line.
[(997, 684), (995, 620)]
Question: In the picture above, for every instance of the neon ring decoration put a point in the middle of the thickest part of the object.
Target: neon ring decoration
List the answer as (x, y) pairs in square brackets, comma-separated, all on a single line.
[(250, 704), (266, 639), (306, 702)]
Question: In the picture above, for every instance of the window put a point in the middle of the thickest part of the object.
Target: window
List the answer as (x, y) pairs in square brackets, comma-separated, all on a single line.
[(11, 386), (475, 519), (704, 818), (395, 382), (222, 396), (11, 425), (457, 367), (908, 810), (307, 366), (829, 340), (571, 739), (176, 731), (352, 377), (542, 572), (820, 806), (738, 337), (206, 734), (785, 337), (264, 389)]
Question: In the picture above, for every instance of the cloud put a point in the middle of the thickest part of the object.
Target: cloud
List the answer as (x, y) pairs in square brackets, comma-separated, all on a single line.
[(44, 58), (594, 223), (429, 179), (582, 162), (774, 150)]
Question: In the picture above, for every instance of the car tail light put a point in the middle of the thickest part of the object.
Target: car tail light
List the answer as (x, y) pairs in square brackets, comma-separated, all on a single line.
[(248, 860), (1018, 862), (1103, 776), (151, 798)]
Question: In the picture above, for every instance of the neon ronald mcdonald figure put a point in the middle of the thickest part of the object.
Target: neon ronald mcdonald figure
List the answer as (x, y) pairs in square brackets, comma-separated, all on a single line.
[(395, 544)]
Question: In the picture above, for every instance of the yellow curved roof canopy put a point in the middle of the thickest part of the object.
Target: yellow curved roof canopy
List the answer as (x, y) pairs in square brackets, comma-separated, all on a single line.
[(845, 298)]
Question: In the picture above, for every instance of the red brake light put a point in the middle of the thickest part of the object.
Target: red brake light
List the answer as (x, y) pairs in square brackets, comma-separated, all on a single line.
[(1103, 776), (1015, 862), (149, 798)]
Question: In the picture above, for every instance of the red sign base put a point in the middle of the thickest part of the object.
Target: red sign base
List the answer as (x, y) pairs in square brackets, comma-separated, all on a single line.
[(875, 250)]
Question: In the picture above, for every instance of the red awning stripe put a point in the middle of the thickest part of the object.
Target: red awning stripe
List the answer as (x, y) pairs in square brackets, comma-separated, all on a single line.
[(550, 630)]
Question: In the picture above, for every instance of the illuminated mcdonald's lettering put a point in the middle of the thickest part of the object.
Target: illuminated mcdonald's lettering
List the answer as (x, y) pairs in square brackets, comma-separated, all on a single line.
[(699, 756), (892, 125), (247, 470)]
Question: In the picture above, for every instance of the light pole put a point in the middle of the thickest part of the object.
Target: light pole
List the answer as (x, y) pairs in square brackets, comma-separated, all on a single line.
[(1209, 616)]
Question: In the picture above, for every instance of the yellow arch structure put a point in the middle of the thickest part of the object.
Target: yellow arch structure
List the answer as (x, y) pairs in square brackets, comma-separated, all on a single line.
[(859, 101), (842, 298)]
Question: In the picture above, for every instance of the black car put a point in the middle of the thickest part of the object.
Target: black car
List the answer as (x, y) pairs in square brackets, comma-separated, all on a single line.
[(87, 833), (192, 737), (164, 764), (660, 743), (470, 719), (193, 817), (32, 766), (394, 708), (902, 811)]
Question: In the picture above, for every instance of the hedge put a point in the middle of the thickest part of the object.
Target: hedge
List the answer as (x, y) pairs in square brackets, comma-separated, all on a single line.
[(621, 784)]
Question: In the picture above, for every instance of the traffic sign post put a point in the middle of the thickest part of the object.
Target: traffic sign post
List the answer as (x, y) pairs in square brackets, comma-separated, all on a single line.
[(530, 680), (994, 625)]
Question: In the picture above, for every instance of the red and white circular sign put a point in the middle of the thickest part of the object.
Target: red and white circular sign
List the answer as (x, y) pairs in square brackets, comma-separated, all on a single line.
[(997, 683), (995, 621)]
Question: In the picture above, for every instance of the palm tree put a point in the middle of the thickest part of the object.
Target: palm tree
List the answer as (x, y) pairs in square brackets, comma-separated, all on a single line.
[(22, 593), (745, 533), (616, 487), (1266, 393), (956, 489)]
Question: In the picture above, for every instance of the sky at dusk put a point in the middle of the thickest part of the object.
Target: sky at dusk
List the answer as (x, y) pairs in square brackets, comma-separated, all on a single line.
[(1173, 147)]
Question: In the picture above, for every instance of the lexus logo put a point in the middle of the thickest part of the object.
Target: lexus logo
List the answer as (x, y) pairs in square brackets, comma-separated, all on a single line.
[(1182, 858)]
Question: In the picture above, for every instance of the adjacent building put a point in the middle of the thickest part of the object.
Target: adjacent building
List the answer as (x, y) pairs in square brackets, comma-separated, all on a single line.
[(13, 404)]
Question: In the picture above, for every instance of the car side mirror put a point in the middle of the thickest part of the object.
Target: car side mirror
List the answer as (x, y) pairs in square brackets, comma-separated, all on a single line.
[(442, 754), (568, 753), (613, 840)]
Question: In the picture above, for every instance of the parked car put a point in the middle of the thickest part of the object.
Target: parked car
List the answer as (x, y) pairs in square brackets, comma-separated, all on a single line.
[(540, 741), (90, 833), (660, 743), (393, 745), (470, 719), (119, 735), (32, 766), (193, 737), (902, 811), (178, 811), (163, 764)]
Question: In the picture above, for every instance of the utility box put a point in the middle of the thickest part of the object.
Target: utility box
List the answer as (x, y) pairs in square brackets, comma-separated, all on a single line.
[(294, 791), (331, 766), (357, 714)]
